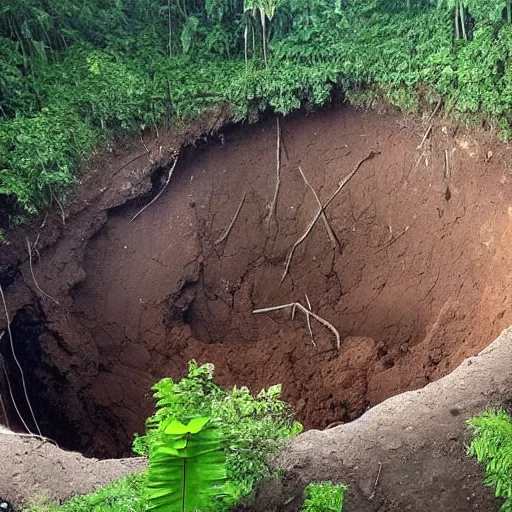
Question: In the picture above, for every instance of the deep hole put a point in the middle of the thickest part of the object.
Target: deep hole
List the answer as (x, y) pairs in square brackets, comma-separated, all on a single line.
[(417, 286)]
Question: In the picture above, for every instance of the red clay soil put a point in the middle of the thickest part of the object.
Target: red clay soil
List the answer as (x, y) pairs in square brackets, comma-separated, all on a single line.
[(422, 279)]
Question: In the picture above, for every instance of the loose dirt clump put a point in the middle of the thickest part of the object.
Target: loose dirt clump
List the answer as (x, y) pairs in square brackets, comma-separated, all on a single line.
[(418, 281)]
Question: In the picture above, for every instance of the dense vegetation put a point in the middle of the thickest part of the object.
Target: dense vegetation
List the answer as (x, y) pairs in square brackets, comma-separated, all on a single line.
[(73, 74), (208, 448), (492, 446)]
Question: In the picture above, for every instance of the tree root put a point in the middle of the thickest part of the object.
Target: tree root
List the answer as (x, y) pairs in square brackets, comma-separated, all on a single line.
[(9, 332), (171, 170), (342, 183), (334, 240), (278, 174), (42, 292), (230, 227), (308, 313)]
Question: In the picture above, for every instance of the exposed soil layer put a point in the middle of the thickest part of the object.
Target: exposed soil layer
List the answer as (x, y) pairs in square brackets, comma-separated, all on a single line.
[(422, 279)]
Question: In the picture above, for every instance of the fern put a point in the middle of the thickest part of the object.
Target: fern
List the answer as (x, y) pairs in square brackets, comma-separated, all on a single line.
[(187, 468), (492, 446)]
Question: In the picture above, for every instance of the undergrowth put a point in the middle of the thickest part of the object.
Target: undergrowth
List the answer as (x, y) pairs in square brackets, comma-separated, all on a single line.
[(492, 447), (324, 497), (237, 431), (125, 495), (73, 75)]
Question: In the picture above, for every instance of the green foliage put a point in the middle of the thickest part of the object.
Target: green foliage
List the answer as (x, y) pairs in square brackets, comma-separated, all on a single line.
[(492, 446), (75, 74), (127, 494), (187, 467), (324, 497), (254, 427)]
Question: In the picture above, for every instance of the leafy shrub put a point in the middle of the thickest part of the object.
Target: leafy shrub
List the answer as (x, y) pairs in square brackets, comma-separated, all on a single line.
[(324, 497), (254, 427), (127, 494), (492, 446), (204, 442)]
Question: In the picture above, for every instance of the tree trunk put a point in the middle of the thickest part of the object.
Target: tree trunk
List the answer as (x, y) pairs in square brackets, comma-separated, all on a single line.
[(246, 44), (264, 35), (463, 21), (509, 12), (456, 20), (170, 26)]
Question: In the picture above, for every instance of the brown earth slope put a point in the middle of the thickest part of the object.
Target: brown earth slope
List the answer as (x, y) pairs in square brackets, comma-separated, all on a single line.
[(422, 279)]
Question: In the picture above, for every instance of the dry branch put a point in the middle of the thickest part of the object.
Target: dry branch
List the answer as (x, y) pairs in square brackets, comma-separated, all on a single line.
[(342, 183), (334, 241), (4, 410), (429, 129), (63, 215), (171, 170), (42, 292), (435, 111), (33, 436), (307, 312), (372, 495), (278, 174), (230, 227), (309, 322), (446, 164), (9, 332)]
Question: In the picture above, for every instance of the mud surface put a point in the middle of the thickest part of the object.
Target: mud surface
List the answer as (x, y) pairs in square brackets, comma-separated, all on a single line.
[(421, 280)]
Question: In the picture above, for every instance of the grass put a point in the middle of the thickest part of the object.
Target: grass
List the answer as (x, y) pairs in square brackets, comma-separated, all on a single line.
[(125, 495), (324, 497)]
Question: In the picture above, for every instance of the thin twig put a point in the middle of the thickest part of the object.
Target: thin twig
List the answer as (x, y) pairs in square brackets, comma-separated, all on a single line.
[(435, 111), (130, 161), (429, 129), (372, 495), (306, 312), (171, 170), (278, 173), (4, 410), (9, 332), (446, 164), (44, 221), (342, 183), (145, 147), (32, 436), (395, 239), (63, 215), (334, 241), (11, 394), (230, 227), (29, 248), (309, 322)]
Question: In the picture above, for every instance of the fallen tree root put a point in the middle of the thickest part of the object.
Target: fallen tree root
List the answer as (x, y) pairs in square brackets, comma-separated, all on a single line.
[(230, 227), (42, 292), (307, 312), (334, 241), (322, 209), (171, 170), (22, 375), (427, 133), (278, 174)]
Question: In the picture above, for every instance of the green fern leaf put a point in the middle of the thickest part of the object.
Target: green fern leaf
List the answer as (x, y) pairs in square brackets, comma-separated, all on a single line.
[(187, 469)]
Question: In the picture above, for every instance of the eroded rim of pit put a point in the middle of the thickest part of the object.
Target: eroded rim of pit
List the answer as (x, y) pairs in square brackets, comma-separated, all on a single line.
[(421, 280)]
